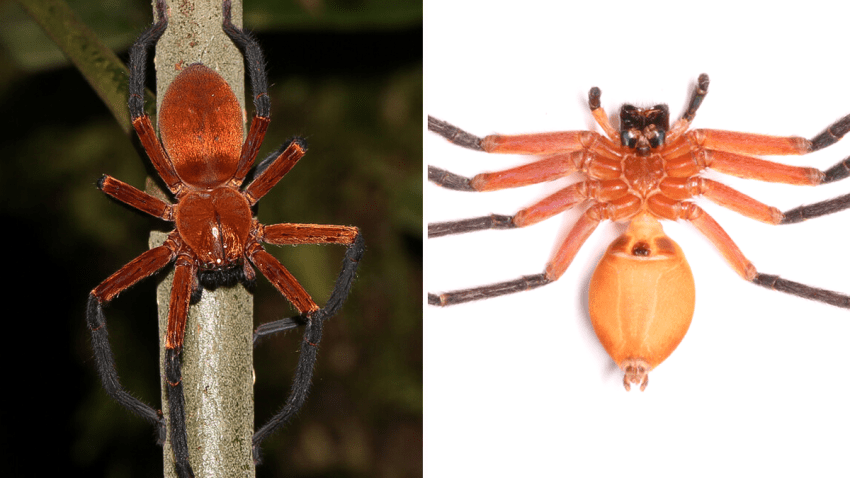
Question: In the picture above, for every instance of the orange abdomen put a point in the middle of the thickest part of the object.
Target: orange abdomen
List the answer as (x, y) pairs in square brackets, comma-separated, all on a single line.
[(641, 299)]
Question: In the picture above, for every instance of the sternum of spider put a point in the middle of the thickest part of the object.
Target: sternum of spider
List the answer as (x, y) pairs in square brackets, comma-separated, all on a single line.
[(643, 174), (215, 224)]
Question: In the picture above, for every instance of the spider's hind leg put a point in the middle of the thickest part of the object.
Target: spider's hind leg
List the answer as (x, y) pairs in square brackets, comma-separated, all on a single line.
[(178, 311), (585, 226), (177, 413), (147, 264), (485, 292), (109, 375), (314, 320)]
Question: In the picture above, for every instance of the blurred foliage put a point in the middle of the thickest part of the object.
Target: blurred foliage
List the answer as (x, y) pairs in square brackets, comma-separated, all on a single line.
[(346, 75)]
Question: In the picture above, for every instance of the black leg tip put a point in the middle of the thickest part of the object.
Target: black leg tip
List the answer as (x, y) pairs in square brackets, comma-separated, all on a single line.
[(449, 180), (777, 283), (702, 83), (593, 97), (454, 134), (301, 142)]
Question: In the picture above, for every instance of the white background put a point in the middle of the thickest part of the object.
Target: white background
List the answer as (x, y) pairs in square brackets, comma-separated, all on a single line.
[(519, 385)]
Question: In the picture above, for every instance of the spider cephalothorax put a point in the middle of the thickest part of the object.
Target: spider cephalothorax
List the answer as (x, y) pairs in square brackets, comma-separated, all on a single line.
[(203, 161), (642, 292)]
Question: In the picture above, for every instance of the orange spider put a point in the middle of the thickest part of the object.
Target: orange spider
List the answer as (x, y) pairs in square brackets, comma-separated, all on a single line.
[(642, 292)]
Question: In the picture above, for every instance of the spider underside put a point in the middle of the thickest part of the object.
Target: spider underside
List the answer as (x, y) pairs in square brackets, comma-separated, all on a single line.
[(645, 171)]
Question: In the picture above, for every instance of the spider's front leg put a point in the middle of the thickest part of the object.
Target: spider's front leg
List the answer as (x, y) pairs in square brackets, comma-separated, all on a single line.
[(259, 86), (141, 121), (733, 149), (564, 153)]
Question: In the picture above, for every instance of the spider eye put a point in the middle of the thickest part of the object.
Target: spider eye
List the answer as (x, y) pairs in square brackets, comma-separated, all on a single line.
[(628, 138), (656, 139)]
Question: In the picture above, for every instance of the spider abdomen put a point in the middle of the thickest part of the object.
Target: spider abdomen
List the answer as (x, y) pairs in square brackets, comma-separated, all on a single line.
[(215, 225), (641, 299), (200, 122)]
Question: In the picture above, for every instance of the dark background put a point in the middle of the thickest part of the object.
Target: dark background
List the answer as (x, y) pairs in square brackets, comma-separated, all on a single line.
[(354, 89)]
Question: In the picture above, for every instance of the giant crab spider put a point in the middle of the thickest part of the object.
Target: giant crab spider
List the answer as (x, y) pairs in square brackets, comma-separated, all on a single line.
[(642, 292), (202, 159)]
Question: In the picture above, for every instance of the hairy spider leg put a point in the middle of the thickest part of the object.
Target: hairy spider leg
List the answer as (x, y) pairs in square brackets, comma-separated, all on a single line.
[(272, 172), (139, 60), (259, 86), (143, 266), (136, 198), (314, 320), (567, 251), (294, 234), (818, 209), (185, 272), (736, 259), (141, 121)]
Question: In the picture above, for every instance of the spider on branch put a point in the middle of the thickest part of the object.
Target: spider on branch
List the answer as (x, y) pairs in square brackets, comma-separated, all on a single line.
[(202, 159)]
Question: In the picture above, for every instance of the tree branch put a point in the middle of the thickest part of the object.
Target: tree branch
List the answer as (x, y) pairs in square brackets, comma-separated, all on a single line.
[(217, 352)]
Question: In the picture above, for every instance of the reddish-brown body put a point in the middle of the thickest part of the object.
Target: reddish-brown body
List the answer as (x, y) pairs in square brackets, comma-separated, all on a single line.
[(201, 128), (203, 160)]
